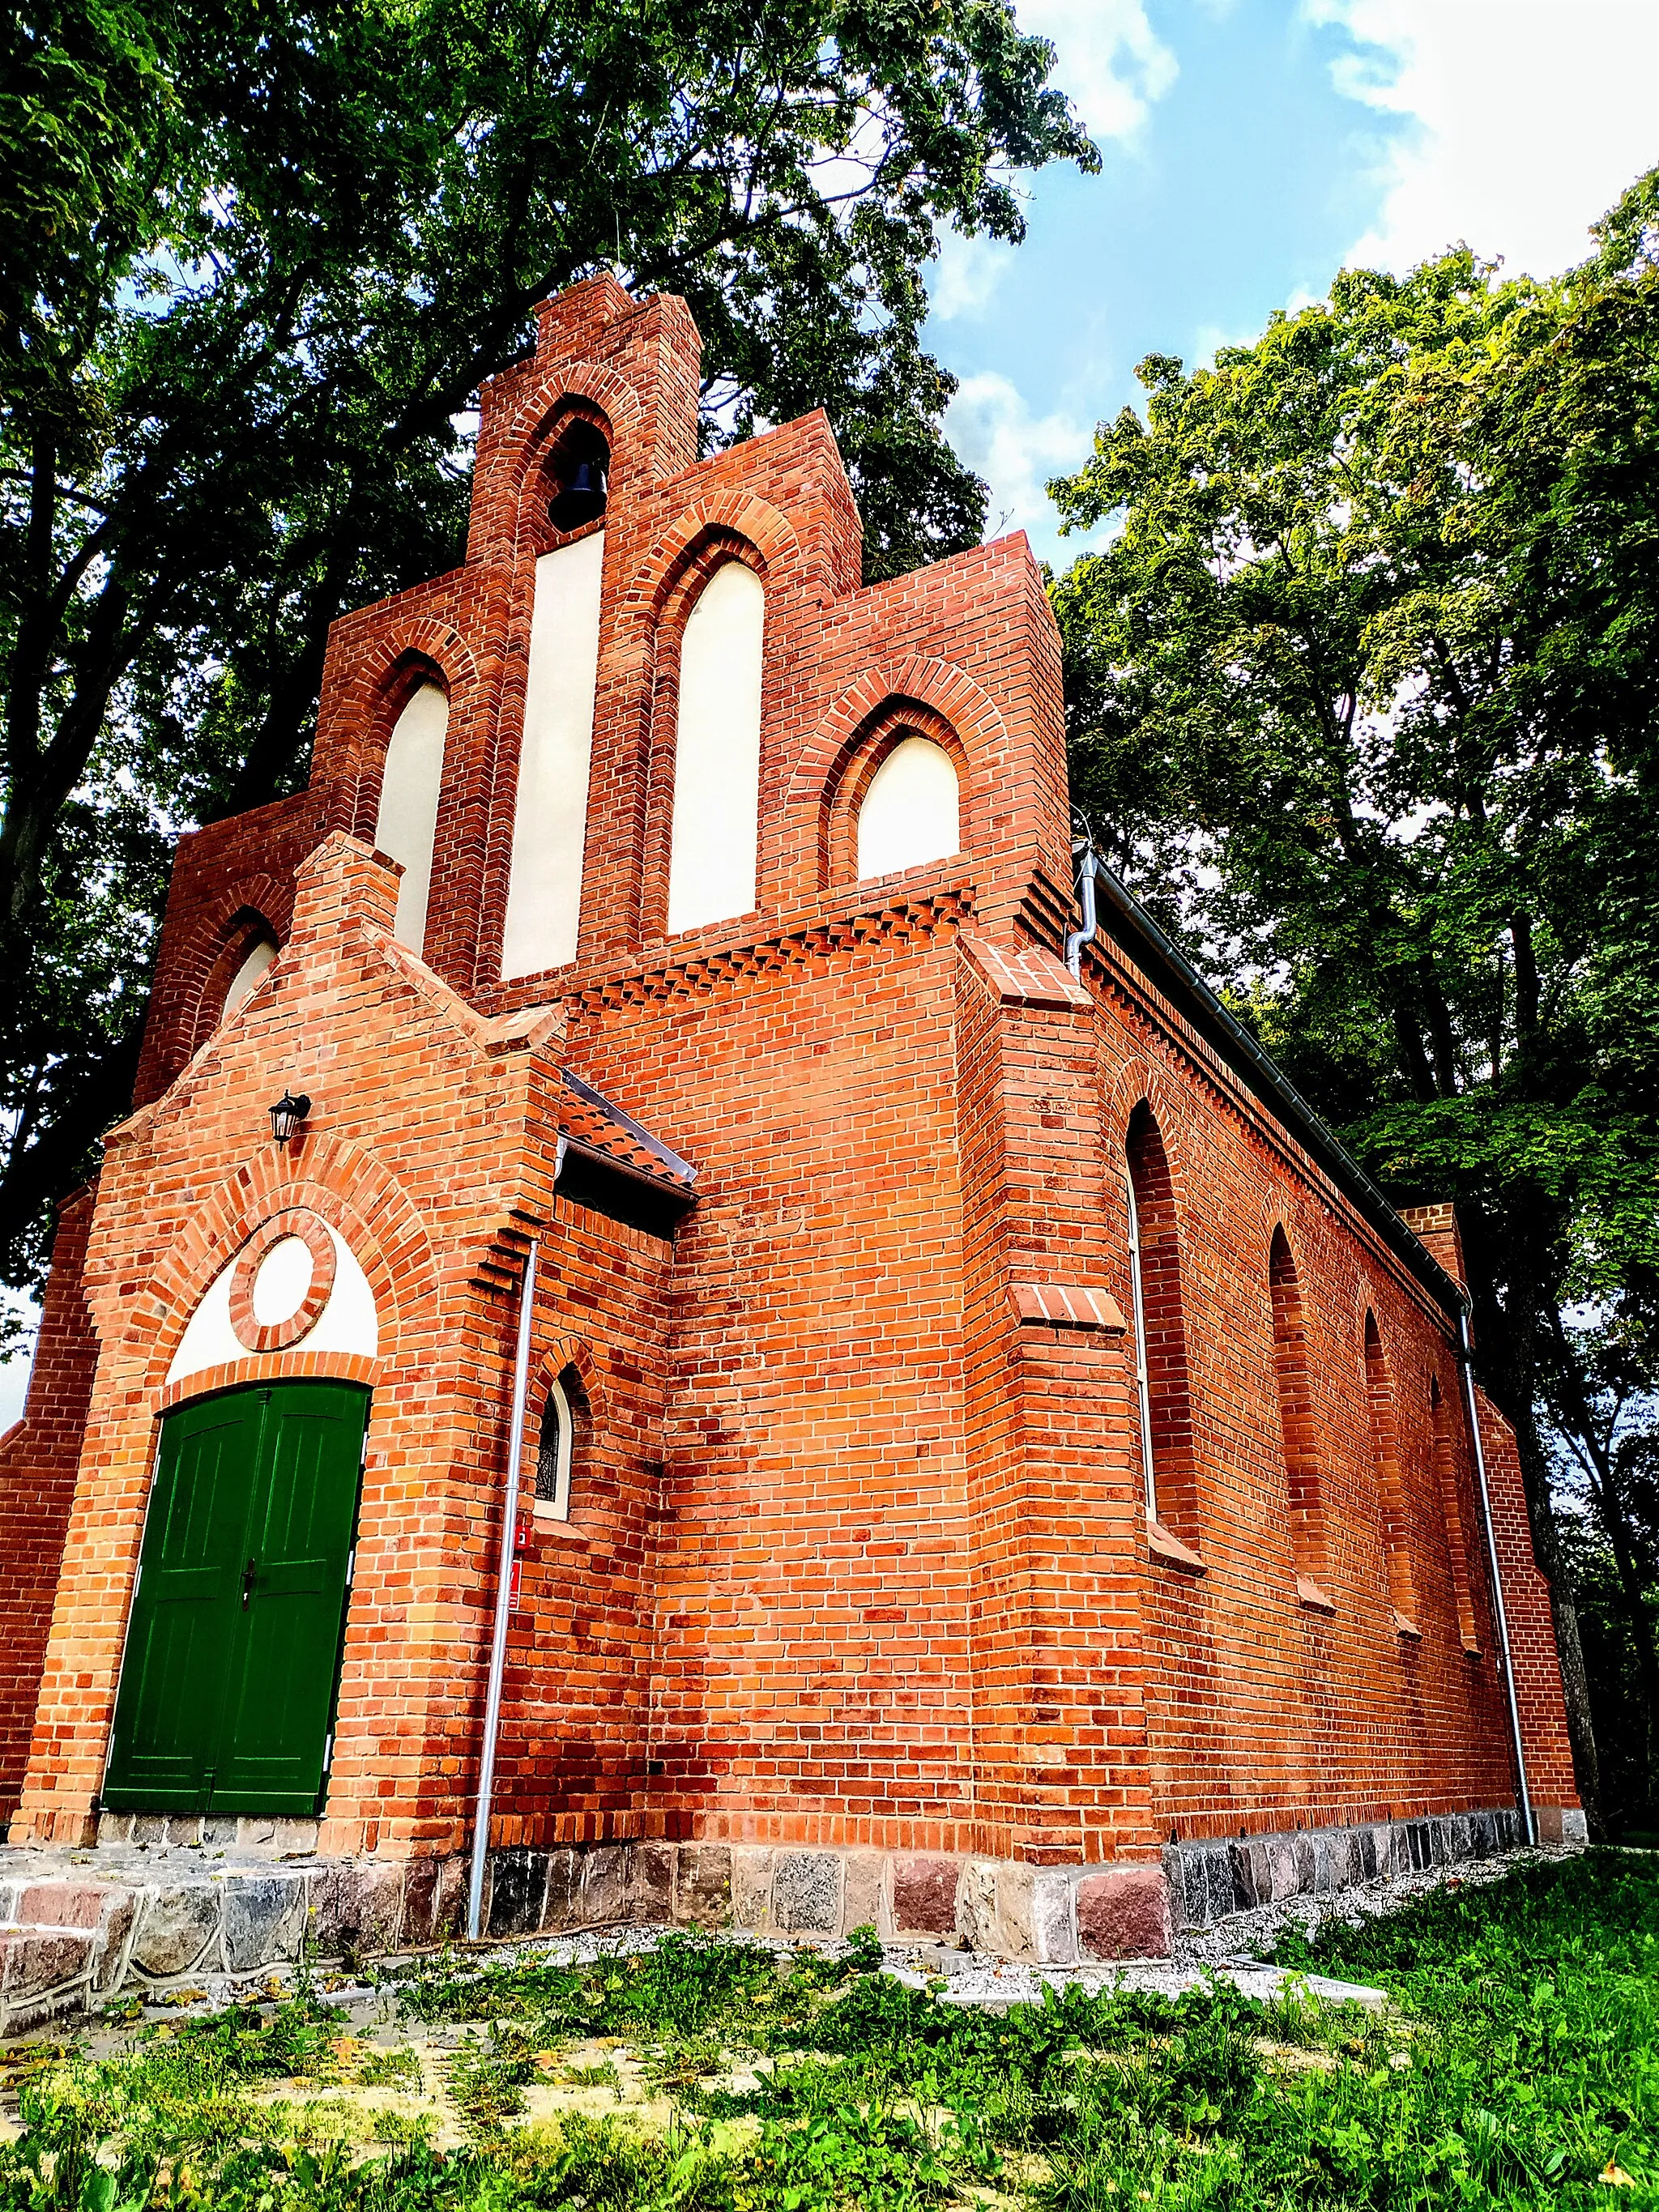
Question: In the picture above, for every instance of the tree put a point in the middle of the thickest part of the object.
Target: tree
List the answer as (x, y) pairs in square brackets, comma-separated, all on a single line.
[(1366, 687), (1599, 1392), (258, 257)]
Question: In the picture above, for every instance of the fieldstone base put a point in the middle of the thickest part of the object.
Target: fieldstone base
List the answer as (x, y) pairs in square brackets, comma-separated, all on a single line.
[(1050, 1915), (152, 1911), (1210, 1880)]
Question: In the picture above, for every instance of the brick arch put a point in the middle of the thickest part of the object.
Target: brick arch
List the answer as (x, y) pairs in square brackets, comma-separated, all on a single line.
[(842, 800), (570, 1349), (517, 444), (1140, 1081), (201, 964), (1298, 1430), (1394, 1514), (943, 703), (1162, 1264), (343, 1185), (387, 671), (651, 623), (747, 526), (565, 1354)]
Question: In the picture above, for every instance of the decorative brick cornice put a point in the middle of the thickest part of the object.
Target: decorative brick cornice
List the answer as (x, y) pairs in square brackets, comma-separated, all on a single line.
[(919, 914)]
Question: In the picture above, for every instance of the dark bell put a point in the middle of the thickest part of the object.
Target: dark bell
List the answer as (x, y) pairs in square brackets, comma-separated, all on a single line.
[(582, 498)]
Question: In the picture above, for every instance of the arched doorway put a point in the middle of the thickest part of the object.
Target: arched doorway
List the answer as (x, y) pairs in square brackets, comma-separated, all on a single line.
[(232, 1653)]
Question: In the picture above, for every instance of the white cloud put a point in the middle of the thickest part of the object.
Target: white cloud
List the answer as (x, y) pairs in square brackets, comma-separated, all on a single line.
[(1533, 117), (968, 273), (1109, 59), (993, 427)]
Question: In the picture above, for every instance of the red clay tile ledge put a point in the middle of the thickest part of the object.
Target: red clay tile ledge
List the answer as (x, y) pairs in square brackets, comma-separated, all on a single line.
[(1164, 1545), (1308, 1594), (1067, 1305)]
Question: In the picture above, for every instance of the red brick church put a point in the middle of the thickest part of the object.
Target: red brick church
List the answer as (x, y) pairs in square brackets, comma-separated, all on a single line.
[(987, 1460)]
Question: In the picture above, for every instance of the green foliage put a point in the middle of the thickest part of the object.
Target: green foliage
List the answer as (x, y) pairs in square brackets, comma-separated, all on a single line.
[(259, 256)]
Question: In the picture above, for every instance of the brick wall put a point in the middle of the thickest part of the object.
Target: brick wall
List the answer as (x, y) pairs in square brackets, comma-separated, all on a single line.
[(39, 1455)]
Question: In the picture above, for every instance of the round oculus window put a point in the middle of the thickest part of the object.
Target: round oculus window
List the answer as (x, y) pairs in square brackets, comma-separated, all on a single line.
[(284, 1278)]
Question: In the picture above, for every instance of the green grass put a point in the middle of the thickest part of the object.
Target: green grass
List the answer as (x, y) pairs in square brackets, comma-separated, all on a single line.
[(1518, 2066)]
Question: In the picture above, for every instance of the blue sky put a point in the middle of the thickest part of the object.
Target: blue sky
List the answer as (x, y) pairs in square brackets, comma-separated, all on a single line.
[(1250, 149)]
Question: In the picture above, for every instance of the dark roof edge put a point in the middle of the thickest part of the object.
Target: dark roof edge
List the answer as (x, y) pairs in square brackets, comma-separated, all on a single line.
[(1129, 922)]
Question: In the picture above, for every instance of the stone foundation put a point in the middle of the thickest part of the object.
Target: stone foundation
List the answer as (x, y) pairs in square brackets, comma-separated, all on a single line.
[(145, 1914), (1210, 1880)]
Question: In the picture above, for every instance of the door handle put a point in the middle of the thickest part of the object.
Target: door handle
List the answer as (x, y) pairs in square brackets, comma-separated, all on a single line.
[(247, 1582)]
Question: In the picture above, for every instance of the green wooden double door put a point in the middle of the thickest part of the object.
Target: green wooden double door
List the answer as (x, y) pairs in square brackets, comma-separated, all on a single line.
[(233, 1654)]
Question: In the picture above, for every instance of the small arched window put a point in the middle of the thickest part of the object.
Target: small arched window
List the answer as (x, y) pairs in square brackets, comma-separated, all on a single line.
[(1390, 1483), (1296, 1419), (713, 857), (911, 811), (406, 826), (255, 960), (1164, 1395), (553, 1454), (1445, 1466)]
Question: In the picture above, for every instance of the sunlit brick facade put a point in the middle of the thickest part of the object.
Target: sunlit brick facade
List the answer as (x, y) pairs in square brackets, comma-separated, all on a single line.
[(854, 1610)]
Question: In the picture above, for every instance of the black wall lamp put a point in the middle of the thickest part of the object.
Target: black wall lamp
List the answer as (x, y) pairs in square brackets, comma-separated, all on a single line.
[(287, 1114)]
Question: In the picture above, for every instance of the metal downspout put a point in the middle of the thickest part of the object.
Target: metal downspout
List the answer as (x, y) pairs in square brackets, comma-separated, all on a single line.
[(503, 1598), (1087, 866), (1466, 1361)]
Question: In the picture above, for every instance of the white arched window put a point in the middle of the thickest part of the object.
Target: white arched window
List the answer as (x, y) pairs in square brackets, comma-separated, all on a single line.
[(553, 1456), (407, 822), (712, 859), (258, 957), (911, 812)]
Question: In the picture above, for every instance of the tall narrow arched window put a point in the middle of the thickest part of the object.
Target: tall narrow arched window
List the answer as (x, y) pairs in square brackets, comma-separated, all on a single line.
[(407, 823), (553, 1454), (911, 811), (714, 856), (550, 808), (1445, 1467), (1296, 1419), (1390, 1483), (1162, 1386)]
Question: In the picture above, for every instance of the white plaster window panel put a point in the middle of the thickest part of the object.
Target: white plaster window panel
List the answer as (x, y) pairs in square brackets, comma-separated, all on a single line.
[(261, 954), (717, 750), (407, 823), (549, 821), (911, 812), (349, 1322)]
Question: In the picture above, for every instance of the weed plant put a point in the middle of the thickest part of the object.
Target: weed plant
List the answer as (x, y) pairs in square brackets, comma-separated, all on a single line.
[(1518, 2066)]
